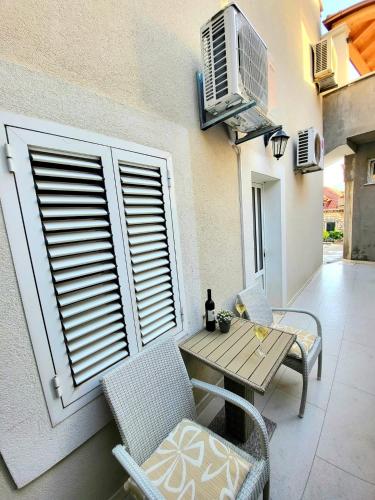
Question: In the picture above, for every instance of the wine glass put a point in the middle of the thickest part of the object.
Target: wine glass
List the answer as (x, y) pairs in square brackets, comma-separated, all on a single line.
[(240, 307), (261, 333)]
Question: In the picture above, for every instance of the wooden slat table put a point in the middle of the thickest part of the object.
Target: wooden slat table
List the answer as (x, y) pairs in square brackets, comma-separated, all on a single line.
[(234, 354)]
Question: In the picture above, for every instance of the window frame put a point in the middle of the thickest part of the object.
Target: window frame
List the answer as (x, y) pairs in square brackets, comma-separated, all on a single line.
[(21, 256), (370, 172)]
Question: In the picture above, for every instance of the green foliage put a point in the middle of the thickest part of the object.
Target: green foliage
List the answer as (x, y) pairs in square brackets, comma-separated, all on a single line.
[(332, 235), (336, 235)]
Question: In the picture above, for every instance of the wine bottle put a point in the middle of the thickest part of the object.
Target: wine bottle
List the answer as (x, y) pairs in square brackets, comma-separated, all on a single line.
[(210, 312)]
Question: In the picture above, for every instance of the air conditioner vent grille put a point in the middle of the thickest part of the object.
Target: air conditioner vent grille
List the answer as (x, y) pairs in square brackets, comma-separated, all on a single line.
[(321, 56), (215, 60), (253, 65), (220, 57), (303, 147), (207, 63)]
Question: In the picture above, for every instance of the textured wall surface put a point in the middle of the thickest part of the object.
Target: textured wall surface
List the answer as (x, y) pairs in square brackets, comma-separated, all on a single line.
[(126, 69), (363, 204), (341, 109)]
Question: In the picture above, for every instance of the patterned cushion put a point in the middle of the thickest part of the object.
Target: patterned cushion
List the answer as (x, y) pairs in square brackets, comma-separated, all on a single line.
[(307, 339), (191, 463)]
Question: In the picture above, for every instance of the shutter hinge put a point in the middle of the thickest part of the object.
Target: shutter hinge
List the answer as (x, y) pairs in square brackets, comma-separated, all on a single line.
[(182, 314), (57, 387), (169, 178), (9, 156)]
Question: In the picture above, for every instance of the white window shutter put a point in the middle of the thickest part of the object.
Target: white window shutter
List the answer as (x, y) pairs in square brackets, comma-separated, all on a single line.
[(143, 190), (69, 204)]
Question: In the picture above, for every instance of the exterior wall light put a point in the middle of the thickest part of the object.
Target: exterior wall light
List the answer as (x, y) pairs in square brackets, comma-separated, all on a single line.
[(279, 140)]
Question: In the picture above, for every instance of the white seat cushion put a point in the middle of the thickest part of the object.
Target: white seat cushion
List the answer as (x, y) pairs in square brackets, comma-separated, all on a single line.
[(192, 463)]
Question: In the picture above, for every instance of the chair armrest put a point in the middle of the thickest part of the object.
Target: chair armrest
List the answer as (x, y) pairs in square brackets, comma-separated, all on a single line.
[(301, 311), (136, 473), (303, 355), (241, 403)]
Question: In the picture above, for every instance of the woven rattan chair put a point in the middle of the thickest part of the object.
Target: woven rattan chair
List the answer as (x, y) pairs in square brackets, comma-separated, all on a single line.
[(259, 310), (149, 395)]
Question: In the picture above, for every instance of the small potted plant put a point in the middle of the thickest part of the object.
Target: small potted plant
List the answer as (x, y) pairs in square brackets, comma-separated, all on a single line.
[(224, 319)]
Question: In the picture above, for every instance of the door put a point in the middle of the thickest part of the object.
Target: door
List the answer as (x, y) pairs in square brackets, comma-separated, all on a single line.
[(258, 234)]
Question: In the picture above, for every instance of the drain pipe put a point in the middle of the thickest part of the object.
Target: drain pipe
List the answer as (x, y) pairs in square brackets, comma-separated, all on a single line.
[(237, 151)]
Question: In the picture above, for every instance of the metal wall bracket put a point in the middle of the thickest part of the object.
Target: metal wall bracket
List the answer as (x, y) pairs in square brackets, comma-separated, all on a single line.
[(207, 120)]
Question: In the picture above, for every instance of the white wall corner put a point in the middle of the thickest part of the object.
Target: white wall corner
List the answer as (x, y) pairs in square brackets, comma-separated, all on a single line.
[(340, 36)]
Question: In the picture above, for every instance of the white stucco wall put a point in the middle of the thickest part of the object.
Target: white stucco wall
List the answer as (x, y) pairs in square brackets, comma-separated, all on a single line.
[(126, 69)]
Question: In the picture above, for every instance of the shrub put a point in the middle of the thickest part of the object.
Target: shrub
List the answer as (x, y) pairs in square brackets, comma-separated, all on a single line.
[(336, 235), (325, 235)]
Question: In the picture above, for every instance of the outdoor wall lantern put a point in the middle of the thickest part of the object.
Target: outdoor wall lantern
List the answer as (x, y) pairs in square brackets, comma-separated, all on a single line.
[(279, 140)]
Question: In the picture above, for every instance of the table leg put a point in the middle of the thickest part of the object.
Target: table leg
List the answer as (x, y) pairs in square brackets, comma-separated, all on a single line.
[(237, 423)]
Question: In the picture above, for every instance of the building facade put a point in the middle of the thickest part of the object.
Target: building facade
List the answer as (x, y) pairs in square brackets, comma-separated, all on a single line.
[(349, 125), (333, 210), (343, 106), (121, 75)]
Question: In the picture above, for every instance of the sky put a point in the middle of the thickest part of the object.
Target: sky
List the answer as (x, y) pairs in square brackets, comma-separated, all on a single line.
[(333, 6), (334, 175)]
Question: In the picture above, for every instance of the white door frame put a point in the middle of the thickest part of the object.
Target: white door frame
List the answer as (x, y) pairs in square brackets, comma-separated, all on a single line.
[(274, 231), (259, 242)]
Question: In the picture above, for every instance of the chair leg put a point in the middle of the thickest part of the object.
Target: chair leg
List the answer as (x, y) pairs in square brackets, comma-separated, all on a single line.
[(320, 363), (305, 379), (266, 491)]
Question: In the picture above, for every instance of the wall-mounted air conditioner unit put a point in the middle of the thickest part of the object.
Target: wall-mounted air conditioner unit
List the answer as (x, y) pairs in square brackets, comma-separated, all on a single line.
[(235, 69), (325, 64), (310, 151)]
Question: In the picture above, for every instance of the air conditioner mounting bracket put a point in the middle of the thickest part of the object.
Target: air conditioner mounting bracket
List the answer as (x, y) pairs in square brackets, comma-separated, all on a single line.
[(207, 121)]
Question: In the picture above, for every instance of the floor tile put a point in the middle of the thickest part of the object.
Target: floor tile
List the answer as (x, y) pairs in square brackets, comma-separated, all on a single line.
[(348, 436), (293, 444), (318, 390), (327, 482), (356, 366), (332, 337), (360, 328)]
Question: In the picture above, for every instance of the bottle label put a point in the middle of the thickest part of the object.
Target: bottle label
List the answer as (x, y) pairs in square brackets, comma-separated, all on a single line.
[(211, 315)]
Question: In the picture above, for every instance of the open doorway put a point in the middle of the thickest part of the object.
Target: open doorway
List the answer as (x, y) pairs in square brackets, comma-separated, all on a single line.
[(333, 212)]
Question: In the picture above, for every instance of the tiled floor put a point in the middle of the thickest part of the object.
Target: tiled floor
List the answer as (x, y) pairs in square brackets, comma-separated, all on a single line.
[(330, 454)]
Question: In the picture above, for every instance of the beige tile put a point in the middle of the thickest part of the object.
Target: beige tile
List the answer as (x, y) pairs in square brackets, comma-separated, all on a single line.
[(360, 328), (293, 444), (318, 390), (327, 482), (356, 366), (348, 435), (332, 337)]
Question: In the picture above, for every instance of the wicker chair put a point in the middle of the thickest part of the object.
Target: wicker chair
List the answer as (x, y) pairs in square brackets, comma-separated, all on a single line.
[(149, 395), (259, 311)]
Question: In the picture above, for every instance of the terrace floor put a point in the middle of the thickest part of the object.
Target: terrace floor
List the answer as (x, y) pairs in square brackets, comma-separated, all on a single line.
[(330, 454)]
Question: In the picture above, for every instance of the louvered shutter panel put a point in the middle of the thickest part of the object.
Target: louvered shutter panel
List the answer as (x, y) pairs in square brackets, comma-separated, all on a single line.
[(145, 196), (65, 202), (74, 213)]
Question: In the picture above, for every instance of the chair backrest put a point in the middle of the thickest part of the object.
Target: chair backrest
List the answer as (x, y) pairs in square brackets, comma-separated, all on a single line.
[(257, 306), (149, 394)]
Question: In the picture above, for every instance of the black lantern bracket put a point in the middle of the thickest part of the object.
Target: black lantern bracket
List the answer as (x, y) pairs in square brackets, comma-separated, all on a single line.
[(207, 120)]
